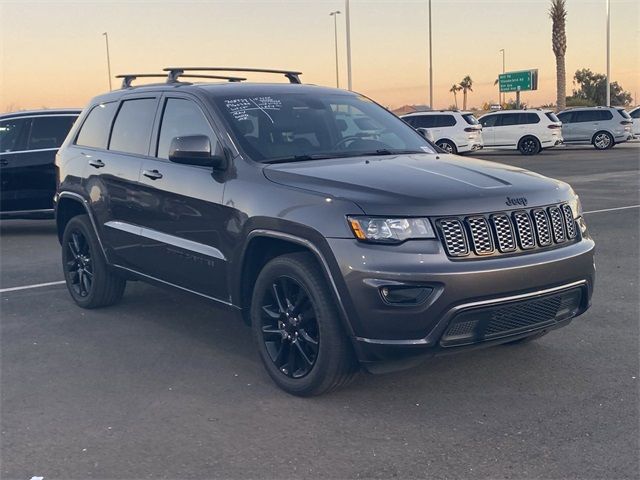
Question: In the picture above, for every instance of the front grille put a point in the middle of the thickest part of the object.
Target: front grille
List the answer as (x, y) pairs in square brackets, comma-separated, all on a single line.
[(491, 322), (507, 232)]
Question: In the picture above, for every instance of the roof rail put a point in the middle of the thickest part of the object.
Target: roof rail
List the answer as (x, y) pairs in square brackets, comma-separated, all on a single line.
[(127, 78), (176, 72)]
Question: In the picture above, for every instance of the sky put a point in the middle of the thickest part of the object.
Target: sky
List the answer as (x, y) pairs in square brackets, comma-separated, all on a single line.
[(52, 53)]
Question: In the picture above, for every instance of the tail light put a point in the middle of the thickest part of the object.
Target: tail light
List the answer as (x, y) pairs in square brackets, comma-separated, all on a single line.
[(554, 126), (472, 129), (626, 122)]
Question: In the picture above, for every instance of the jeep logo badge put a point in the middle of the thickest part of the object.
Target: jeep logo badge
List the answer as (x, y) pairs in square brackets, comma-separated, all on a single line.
[(512, 202)]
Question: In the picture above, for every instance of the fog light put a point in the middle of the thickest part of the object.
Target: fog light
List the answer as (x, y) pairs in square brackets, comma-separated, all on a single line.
[(405, 294)]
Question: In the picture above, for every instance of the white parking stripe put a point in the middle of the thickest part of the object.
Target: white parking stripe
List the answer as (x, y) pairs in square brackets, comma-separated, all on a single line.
[(612, 209), (26, 287)]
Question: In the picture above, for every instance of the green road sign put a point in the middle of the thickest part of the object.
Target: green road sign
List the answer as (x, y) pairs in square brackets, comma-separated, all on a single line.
[(518, 81)]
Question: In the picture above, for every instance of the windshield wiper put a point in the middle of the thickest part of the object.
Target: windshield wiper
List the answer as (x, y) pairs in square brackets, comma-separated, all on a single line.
[(299, 158)]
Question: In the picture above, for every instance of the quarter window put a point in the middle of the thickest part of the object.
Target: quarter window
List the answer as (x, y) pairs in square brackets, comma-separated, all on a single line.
[(528, 118), (182, 118), (13, 134), (133, 125), (95, 129), (49, 132)]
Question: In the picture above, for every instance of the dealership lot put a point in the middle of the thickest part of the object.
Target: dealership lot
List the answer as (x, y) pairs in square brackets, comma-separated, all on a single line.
[(166, 386)]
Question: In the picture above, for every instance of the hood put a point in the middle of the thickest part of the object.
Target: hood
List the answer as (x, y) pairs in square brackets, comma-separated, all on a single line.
[(422, 184)]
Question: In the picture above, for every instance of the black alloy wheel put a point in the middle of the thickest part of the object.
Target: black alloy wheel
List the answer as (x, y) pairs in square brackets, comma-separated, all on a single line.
[(290, 328), (79, 264), (529, 146)]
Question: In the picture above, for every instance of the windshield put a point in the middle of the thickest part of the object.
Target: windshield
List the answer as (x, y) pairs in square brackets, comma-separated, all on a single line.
[(302, 126)]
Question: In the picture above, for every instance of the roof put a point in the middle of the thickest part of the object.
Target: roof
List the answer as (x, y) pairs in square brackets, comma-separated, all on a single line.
[(47, 111)]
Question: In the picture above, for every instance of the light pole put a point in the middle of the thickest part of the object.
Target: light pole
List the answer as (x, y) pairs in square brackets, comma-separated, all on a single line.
[(503, 71), (335, 31), (608, 53), (348, 20), (430, 62), (106, 39)]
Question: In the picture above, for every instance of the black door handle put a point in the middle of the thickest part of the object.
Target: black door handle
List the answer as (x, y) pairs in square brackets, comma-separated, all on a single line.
[(152, 174), (96, 163), (4, 162)]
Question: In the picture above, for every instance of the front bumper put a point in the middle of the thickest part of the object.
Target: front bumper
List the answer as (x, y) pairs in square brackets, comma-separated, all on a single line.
[(388, 333)]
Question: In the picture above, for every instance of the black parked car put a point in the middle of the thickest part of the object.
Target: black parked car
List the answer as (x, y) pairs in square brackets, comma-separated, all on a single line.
[(28, 144), (333, 227)]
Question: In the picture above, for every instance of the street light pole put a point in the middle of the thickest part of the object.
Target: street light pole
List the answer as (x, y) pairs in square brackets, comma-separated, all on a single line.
[(335, 30), (430, 61), (106, 39), (503, 71), (608, 53), (348, 20)]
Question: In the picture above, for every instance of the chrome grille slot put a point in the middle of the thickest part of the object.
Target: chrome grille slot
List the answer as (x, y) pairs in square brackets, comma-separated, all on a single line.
[(557, 224), (569, 221), (455, 240), (541, 223), (524, 230), (481, 240), (504, 232)]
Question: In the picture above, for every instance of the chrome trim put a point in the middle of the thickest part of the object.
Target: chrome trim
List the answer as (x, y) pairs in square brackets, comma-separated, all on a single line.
[(319, 256), (481, 303), (14, 116), (30, 151), (85, 204), (22, 212), (179, 242), (155, 279)]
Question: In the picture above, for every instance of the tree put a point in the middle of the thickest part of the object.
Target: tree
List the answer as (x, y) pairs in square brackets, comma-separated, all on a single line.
[(466, 85), (592, 90), (455, 89), (558, 14)]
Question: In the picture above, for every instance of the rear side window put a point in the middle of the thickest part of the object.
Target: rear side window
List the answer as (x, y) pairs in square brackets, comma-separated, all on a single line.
[(13, 134), (605, 115), (182, 118), (470, 119), (508, 119), (95, 129), (49, 132), (624, 113), (133, 125), (488, 121), (592, 116), (445, 120), (528, 118), (552, 116)]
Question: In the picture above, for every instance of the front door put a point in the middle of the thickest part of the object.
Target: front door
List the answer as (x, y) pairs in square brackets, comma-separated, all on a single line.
[(183, 217), (488, 123)]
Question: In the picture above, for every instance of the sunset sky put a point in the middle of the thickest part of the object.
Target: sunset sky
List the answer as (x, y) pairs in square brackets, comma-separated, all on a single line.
[(52, 53)]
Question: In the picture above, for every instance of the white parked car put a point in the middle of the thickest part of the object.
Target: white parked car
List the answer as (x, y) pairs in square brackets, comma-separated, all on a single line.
[(452, 131), (528, 131), (635, 116)]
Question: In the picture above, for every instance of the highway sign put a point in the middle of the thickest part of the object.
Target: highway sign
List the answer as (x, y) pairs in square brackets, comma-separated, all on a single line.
[(518, 81)]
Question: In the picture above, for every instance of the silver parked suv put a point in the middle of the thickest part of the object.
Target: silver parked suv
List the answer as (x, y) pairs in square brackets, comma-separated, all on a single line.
[(602, 127)]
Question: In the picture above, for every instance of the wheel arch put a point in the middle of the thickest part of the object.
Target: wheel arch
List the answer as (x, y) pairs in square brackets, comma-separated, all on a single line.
[(69, 205)]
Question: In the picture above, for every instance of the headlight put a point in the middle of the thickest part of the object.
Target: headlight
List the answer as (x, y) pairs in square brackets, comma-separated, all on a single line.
[(390, 230), (576, 206)]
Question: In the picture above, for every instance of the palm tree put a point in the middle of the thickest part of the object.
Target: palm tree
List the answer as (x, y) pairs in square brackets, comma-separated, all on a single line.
[(455, 88), (466, 85), (558, 14)]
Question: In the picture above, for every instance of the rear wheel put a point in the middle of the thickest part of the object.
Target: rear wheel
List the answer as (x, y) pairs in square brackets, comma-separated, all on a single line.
[(86, 273), (603, 141), (448, 146), (529, 146), (296, 325)]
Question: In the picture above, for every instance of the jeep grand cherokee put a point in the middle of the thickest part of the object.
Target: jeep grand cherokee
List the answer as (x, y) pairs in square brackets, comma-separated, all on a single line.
[(329, 224)]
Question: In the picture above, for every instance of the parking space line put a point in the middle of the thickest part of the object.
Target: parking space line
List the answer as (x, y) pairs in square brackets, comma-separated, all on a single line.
[(612, 209), (26, 287)]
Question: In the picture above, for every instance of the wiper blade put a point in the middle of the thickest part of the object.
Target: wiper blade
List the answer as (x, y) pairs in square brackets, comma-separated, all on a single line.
[(298, 158), (386, 151)]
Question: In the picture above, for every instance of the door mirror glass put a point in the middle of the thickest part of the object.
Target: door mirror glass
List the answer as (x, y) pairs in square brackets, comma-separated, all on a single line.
[(195, 150)]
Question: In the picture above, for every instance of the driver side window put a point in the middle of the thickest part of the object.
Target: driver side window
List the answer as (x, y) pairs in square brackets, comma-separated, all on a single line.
[(182, 118)]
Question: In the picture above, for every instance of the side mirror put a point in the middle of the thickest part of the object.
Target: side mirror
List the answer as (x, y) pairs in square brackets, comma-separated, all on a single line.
[(196, 150), (425, 133)]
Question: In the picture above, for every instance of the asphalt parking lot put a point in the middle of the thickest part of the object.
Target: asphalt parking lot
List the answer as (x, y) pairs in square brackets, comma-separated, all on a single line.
[(166, 386)]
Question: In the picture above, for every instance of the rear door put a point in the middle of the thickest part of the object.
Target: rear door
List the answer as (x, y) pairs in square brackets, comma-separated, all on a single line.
[(585, 122), (507, 130), (13, 142), (183, 219)]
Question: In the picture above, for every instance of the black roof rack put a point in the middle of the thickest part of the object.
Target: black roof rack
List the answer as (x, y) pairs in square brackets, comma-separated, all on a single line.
[(130, 77), (176, 72)]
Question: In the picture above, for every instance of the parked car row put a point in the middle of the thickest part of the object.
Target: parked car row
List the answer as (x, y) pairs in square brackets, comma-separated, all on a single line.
[(528, 131)]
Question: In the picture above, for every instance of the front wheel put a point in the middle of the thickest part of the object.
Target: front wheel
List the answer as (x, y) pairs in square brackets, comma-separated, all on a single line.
[(89, 280), (297, 328), (603, 141), (529, 146)]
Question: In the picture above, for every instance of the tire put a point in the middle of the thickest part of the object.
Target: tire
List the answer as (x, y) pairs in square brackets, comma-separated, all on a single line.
[(89, 280), (529, 146), (528, 339), (447, 146), (603, 141), (301, 342)]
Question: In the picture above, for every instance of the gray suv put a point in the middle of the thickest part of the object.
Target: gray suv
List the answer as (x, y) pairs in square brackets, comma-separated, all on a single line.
[(601, 127), (327, 223)]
